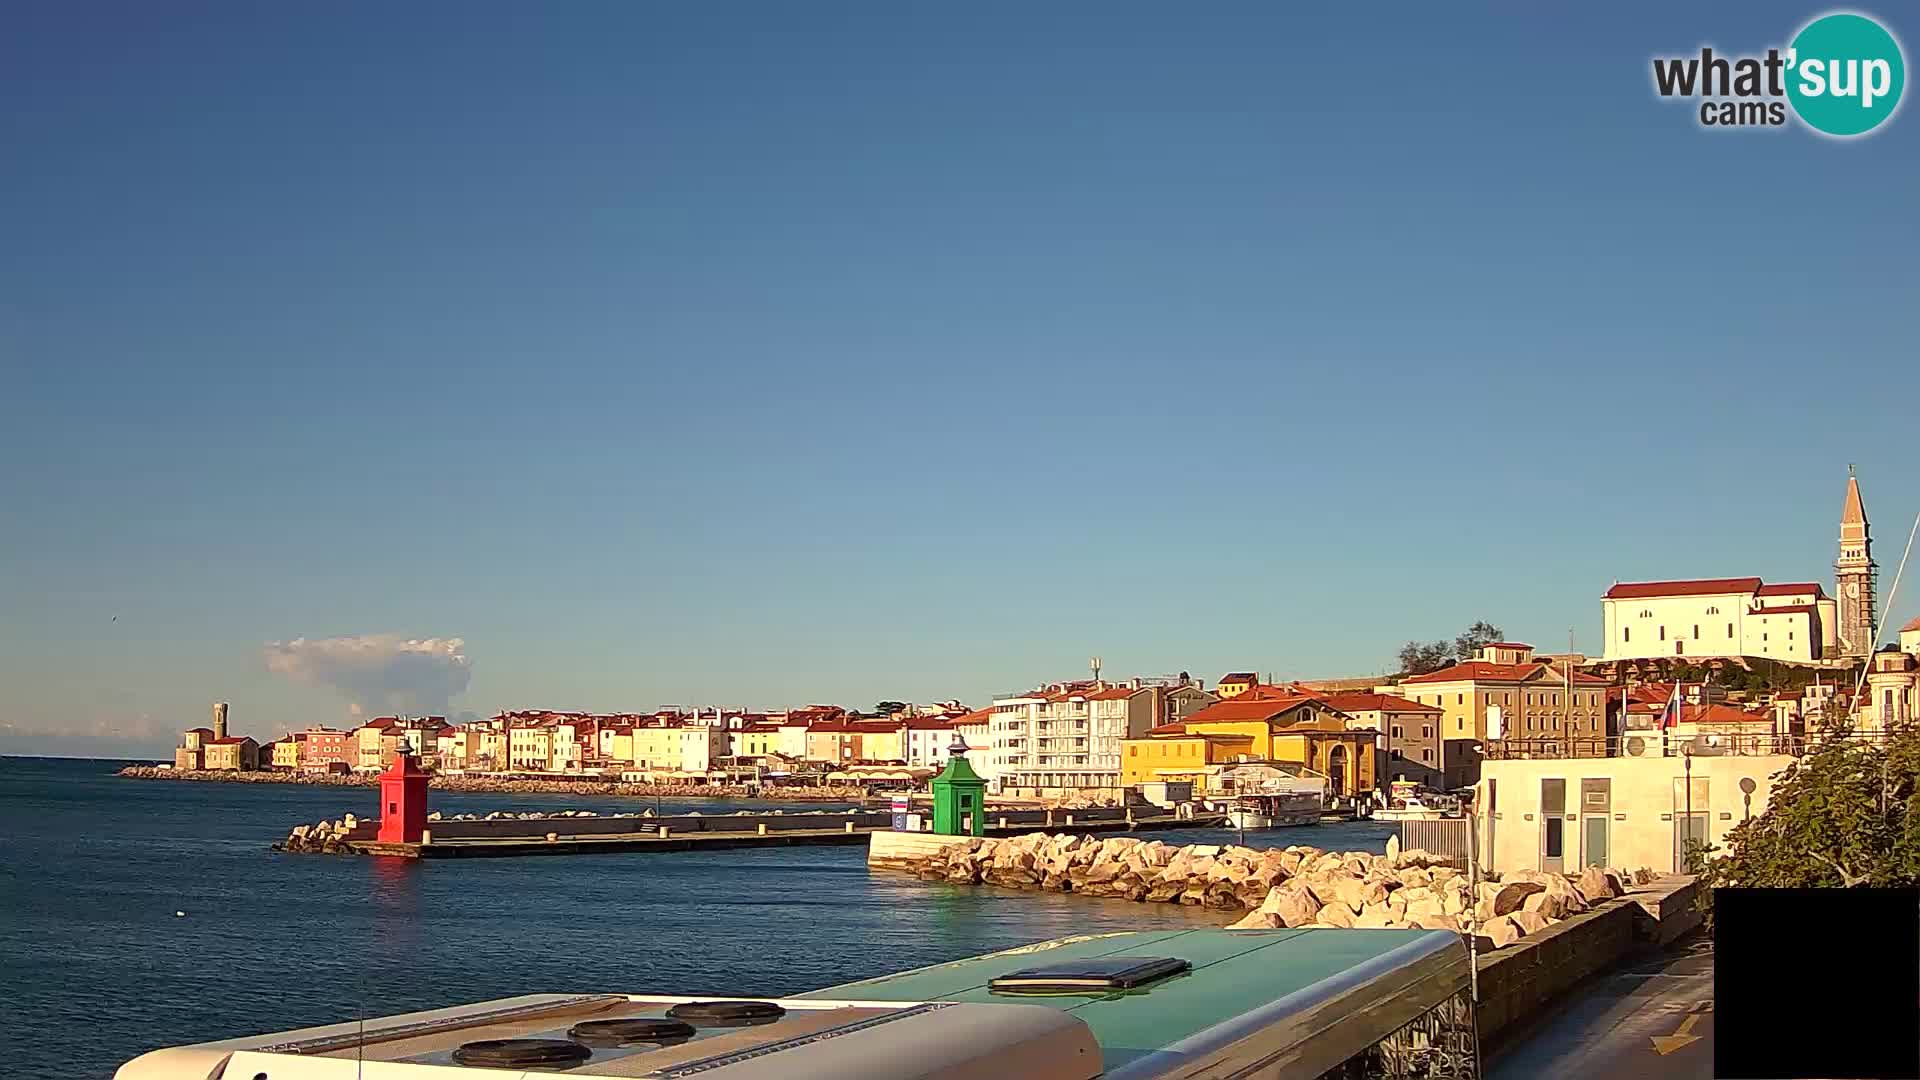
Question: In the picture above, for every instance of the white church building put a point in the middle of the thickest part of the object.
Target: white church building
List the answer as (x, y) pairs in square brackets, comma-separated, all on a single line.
[(1746, 617)]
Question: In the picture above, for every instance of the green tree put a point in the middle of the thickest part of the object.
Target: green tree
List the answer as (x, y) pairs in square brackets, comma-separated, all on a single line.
[(1420, 657), (1845, 815), (1476, 637)]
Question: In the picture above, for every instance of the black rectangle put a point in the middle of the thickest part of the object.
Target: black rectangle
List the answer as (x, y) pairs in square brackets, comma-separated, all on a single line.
[(1093, 975), (1816, 983)]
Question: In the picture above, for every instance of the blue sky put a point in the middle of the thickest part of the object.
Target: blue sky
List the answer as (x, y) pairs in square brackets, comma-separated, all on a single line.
[(772, 353)]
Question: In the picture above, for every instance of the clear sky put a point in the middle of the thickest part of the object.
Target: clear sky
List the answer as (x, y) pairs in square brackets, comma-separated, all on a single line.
[(768, 353)]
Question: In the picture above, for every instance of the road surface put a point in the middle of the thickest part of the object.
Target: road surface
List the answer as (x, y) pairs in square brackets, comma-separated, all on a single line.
[(1652, 1020)]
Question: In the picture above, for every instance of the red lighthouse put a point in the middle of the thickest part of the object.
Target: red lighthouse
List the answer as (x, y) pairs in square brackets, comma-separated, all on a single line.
[(403, 801)]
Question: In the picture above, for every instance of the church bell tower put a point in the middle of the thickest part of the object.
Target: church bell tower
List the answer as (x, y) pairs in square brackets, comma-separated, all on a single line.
[(1853, 575)]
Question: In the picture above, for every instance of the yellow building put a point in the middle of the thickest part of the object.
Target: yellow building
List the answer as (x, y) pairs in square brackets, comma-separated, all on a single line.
[(1235, 684), (286, 753), (1505, 687), (232, 753), (1176, 755), (759, 740), (1291, 729)]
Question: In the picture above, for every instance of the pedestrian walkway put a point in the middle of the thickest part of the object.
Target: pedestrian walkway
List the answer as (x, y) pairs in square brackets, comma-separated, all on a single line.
[(1653, 1020)]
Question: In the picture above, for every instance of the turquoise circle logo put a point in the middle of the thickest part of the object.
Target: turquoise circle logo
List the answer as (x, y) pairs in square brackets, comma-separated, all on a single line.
[(1846, 73)]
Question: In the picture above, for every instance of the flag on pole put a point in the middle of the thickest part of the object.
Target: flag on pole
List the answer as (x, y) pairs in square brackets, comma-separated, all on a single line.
[(1670, 716)]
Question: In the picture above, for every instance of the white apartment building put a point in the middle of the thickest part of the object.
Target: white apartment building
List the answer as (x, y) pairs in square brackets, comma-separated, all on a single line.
[(1719, 617), (1061, 739)]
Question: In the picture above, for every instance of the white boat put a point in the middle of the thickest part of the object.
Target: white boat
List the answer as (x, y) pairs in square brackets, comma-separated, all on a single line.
[(1274, 811), (1408, 801)]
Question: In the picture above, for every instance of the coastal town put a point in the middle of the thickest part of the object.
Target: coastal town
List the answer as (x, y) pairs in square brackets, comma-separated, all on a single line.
[(1730, 677)]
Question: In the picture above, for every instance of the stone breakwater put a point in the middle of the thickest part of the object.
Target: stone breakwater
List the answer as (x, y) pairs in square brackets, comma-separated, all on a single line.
[(487, 785), (329, 837), (1280, 887)]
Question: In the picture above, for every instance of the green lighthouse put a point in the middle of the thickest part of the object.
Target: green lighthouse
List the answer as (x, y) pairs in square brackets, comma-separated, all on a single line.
[(959, 795)]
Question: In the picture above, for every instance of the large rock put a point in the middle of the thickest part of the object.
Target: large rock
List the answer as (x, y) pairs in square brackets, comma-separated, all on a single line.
[(1259, 920), (1335, 914), (1293, 902), (1510, 897), (1596, 885), (1531, 922), (1502, 931), (1393, 847), (1376, 917), (1548, 905), (1434, 922)]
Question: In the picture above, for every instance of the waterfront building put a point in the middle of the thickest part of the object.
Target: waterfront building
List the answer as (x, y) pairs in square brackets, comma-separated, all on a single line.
[(286, 753), (190, 754), (1567, 813), (755, 740), (376, 742), (1262, 723), (1063, 739), (677, 747), (1408, 733), (1504, 685), (325, 750), (230, 753)]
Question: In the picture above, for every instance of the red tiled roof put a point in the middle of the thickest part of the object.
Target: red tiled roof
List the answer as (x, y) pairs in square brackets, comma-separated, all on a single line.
[(1486, 671), (1174, 728), (1244, 709), (1790, 590), (1363, 702), (1631, 590), (1912, 626), (1238, 676), (930, 723), (208, 732), (1112, 693), (1508, 645), (230, 740), (977, 716)]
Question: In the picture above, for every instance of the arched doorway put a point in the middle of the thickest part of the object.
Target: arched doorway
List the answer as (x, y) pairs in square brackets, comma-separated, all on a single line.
[(1337, 769)]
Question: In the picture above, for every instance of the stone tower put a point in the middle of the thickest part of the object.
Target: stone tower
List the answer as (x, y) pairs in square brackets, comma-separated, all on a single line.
[(1853, 575)]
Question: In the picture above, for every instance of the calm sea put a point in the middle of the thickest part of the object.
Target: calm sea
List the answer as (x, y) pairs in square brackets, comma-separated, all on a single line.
[(96, 968)]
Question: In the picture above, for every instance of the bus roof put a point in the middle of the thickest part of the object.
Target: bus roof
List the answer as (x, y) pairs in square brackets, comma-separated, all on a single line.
[(1234, 973)]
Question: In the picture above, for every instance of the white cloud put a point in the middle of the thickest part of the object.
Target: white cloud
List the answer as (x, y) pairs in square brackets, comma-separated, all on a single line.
[(378, 672)]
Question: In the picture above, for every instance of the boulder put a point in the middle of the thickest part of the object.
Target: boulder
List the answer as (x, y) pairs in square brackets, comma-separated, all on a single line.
[(1531, 922), (1596, 885), (1335, 914), (1259, 920), (1393, 847), (1434, 922), (1294, 903), (1376, 917), (1502, 931), (1548, 905), (1511, 897)]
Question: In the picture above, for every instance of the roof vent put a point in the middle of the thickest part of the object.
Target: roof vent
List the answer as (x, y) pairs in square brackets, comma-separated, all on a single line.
[(1098, 975)]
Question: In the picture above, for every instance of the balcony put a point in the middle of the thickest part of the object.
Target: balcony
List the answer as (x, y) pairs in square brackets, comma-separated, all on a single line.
[(1651, 744)]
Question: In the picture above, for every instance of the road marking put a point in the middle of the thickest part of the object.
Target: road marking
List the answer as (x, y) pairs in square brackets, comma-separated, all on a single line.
[(1683, 1036)]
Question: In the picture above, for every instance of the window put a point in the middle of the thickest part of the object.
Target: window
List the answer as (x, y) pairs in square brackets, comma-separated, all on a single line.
[(1713, 611), (1626, 633), (1426, 731), (1396, 731), (1663, 633), (1426, 755), (1696, 631), (1459, 699), (1729, 629)]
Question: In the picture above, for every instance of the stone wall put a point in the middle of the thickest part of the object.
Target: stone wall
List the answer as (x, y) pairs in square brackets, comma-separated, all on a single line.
[(1516, 983)]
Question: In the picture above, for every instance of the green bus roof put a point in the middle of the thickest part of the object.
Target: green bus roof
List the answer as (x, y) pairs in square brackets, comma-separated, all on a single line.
[(1233, 972)]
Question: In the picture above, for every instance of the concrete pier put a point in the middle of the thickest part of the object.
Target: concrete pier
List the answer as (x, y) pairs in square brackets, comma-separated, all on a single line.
[(450, 839)]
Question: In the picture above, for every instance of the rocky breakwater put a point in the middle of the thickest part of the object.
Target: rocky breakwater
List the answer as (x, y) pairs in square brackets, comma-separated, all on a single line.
[(321, 838), (1288, 887)]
